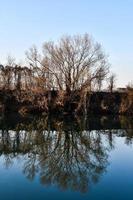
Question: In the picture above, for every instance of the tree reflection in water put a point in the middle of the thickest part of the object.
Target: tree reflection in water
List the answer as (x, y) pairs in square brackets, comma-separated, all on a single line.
[(70, 154)]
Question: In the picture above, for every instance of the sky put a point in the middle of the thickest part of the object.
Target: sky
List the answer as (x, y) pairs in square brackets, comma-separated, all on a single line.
[(27, 22)]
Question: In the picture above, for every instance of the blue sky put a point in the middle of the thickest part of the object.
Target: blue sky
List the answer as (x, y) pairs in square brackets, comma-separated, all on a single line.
[(27, 22)]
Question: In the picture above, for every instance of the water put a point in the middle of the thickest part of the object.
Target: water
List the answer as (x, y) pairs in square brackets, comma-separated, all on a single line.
[(53, 158)]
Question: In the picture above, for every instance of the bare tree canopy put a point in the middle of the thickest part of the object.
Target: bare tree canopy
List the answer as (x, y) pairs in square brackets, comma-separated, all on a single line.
[(77, 60), (73, 63)]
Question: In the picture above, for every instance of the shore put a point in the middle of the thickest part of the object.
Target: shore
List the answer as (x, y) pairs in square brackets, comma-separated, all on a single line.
[(52, 102)]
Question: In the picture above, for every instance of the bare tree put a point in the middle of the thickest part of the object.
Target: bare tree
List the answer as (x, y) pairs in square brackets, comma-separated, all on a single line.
[(71, 65), (10, 61), (111, 82), (75, 62), (37, 63), (6, 73)]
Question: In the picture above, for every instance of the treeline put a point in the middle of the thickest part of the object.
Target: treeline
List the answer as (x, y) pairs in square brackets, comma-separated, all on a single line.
[(74, 67), (74, 63)]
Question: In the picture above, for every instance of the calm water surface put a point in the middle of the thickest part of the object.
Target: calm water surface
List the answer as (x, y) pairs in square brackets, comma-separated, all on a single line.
[(53, 158)]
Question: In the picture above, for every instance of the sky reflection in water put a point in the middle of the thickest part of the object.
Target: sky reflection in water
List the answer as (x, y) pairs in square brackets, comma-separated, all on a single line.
[(54, 158)]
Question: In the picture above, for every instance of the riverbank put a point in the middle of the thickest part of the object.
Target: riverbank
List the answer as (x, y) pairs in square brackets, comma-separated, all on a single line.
[(56, 102)]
